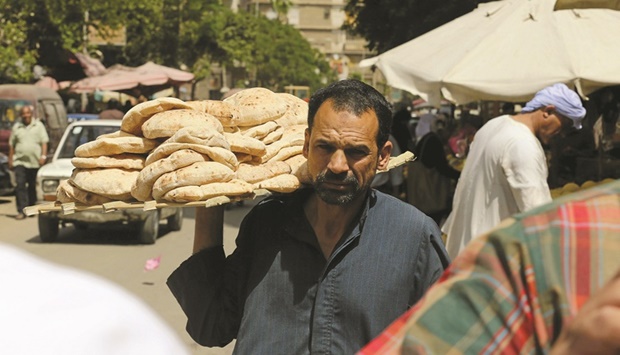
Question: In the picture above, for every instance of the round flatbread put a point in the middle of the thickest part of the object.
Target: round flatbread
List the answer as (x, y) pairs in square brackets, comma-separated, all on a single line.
[(124, 161), (68, 192), (256, 173), (225, 112), (220, 155), (143, 187), (196, 174), (113, 183), (199, 135), (273, 136), (116, 145), (257, 105), (244, 144), (282, 183), (136, 116), (204, 192), (260, 131), (286, 153), (165, 124), (295, 162), (296, 112), (286, 141)]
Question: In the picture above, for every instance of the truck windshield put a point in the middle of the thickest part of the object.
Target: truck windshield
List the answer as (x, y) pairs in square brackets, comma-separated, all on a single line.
[(80, 135)]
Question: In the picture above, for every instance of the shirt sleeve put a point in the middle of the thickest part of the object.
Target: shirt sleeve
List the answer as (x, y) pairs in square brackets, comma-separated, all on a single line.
[(526, 172), (471, 309), (210, 287), (432, 259)]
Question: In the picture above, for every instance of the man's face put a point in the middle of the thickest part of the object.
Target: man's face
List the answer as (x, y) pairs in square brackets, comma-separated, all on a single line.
[(342, 154), (26, 115), (553, 125)]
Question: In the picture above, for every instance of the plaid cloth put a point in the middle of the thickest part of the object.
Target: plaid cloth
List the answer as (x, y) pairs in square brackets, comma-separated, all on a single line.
[(512, 290)]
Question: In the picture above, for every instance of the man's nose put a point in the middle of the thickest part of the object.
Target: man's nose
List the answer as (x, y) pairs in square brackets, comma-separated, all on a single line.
[(338, 162)]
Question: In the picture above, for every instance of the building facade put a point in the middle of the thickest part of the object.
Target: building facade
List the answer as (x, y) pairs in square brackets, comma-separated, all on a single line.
[(320, 22)]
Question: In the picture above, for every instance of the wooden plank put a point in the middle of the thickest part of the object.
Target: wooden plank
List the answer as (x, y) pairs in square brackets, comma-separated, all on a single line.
[(150, 205), (68, 208)]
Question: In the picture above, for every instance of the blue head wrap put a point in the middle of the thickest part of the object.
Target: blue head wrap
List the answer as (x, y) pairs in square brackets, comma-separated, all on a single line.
[(565, 100)]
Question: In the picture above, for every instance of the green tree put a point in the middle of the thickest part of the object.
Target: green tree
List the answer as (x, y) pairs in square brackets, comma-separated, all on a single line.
[(16, 59), (386, 24), (283, 57)]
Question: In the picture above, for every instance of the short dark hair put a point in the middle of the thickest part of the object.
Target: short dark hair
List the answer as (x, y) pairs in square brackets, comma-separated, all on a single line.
[(356, 97)]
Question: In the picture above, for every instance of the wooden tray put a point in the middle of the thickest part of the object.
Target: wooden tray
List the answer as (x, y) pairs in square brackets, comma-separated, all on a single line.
[(72, 207)]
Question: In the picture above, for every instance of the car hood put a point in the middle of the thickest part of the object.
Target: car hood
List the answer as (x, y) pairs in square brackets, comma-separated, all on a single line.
[(60, 168)]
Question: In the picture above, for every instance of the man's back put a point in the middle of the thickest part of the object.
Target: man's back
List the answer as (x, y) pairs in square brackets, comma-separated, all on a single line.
[(505, 169)]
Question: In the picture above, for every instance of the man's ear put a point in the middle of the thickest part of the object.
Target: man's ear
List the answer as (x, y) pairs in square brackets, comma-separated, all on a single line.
[(306, 143), (384, 155)]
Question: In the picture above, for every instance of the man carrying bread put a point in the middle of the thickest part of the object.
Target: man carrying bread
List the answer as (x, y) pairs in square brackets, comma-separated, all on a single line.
[(323, 269)]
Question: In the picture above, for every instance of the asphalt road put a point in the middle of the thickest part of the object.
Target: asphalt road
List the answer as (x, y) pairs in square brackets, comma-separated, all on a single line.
[(113, 254)]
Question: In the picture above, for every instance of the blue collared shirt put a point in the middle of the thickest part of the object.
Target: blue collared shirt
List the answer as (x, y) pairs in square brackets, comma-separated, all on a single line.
[(276, 294)]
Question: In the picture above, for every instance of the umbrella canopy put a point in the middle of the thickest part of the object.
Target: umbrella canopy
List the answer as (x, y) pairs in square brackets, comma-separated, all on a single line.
[(507, 51), (119, 77), (51, 83)]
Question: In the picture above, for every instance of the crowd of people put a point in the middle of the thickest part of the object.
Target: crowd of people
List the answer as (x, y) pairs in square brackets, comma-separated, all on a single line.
[(357, 262), (323, 270)]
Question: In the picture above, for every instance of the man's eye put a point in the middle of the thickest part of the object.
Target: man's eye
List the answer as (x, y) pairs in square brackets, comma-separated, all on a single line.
[(356, 152), (325, 147)]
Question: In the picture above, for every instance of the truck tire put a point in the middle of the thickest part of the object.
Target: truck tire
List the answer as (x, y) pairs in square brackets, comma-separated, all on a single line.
[(48, 228), (175, 222), (149, 229)]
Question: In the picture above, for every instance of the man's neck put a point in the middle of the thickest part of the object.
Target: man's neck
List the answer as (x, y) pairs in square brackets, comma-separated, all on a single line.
[(528, 119), (331, 222)]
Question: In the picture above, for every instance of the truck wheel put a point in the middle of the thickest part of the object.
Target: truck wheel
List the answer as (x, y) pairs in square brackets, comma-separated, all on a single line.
[(149, 228), (48, 228), (175, 222)]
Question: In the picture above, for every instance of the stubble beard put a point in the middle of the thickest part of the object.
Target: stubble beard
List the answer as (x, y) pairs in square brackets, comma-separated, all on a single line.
[(335, 197)]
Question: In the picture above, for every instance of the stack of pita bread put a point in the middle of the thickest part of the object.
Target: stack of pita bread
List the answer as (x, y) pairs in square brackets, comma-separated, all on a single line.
[(175, 151)]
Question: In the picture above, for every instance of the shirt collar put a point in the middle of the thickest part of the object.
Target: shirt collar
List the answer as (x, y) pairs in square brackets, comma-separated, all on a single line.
[(298, 226)]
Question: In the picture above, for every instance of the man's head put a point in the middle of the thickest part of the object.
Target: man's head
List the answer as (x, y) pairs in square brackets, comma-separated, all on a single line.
[(356, 97), (560, 109), (346, 140), (26, 114)]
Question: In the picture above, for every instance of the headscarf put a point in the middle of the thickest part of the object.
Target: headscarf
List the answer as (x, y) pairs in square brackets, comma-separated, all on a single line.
[(566, 102)]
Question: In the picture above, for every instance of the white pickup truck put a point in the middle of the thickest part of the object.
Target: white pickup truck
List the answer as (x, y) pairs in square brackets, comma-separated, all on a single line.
[(60, 168)]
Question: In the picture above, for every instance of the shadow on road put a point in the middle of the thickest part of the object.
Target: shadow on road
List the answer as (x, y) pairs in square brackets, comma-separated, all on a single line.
[(110, 235)]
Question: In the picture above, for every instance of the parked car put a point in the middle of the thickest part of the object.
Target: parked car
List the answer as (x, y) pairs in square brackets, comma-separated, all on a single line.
[(60, 168), (72, 117)]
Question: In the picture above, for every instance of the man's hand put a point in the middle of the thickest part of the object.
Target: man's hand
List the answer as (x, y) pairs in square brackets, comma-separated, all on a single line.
[(596, 327), (209, 229)]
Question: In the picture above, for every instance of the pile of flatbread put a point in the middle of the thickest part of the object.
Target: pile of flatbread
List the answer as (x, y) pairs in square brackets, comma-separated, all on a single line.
[(175, 151)]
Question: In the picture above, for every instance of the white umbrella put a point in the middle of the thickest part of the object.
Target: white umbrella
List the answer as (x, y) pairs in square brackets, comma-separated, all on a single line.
[(507, 51)]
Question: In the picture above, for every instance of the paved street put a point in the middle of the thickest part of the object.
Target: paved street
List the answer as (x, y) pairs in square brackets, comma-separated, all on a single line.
[(114, 255)]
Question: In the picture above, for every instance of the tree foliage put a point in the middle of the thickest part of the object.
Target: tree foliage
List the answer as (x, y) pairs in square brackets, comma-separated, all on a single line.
[(191, 34), (386, 24)]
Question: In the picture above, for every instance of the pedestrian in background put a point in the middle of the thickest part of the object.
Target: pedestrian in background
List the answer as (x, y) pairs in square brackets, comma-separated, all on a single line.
[(506, 168), (430, 178), (27, 152)]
